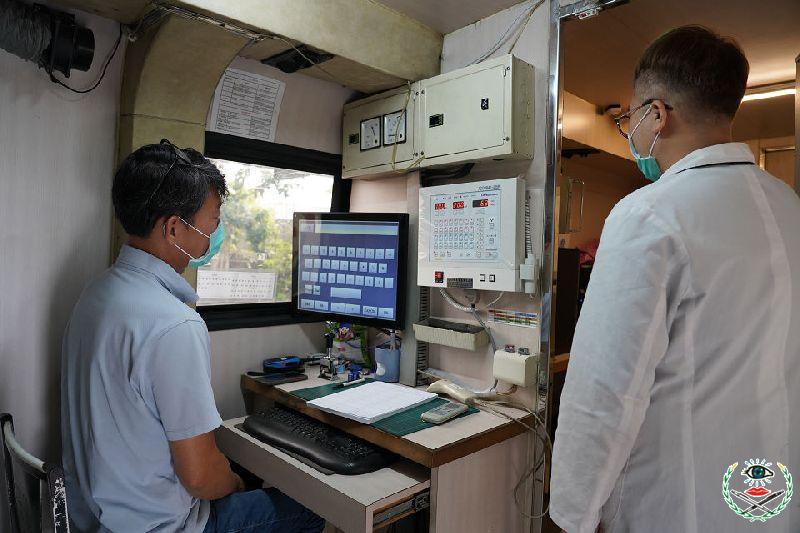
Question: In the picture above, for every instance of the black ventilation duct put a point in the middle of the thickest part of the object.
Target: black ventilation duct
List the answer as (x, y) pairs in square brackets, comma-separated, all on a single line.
[(49, 38), (296, 58)]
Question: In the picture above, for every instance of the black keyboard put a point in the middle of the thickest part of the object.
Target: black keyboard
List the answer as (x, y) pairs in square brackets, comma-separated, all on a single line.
[(319, 445)]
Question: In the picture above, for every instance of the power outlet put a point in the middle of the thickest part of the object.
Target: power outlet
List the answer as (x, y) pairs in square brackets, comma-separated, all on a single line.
[(516, 368)]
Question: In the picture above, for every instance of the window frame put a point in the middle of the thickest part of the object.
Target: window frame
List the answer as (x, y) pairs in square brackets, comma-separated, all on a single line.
[(257, 152)]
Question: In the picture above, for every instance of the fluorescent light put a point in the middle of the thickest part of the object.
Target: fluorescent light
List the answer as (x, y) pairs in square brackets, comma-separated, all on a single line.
[(770, 91)]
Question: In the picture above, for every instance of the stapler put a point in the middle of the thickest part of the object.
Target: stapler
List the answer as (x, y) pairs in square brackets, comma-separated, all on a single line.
[(329, 366), (280, 365)]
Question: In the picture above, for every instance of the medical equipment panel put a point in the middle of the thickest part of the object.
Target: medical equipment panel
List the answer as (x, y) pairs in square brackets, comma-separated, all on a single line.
[(471, 235)]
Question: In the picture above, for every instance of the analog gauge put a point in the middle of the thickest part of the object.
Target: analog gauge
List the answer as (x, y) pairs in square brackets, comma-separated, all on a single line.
[(371, 133), (394, 128)]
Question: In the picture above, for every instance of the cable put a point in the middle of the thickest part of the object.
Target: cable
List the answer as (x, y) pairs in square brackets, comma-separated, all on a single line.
[(509, 392), (488, 332), (468, 308), (102, 74), (496, 46), (471, 309), (545, 440), (524, 26), (397, 126), (227, 26), (516, 26), (499, 297)]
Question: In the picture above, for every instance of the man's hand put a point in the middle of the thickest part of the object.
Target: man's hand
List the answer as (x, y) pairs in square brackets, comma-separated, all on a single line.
[(202, 469)]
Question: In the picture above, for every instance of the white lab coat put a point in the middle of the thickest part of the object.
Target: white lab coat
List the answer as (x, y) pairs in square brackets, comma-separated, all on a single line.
[(686, 356)]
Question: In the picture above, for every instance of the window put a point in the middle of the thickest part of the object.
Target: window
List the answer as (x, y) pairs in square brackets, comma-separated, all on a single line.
[(248, 284), (255, 262)]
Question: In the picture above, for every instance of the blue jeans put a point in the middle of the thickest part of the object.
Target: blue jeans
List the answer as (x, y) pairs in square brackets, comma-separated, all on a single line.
[(267, 510)]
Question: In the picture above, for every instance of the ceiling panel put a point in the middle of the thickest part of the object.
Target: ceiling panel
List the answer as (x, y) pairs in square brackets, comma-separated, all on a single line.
[(600, 53), (763, 119), (125, 11), (446, 16)]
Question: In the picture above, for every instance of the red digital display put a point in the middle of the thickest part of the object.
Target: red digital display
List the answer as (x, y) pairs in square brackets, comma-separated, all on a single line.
[(480, 203), (458, 205), (439, 207)]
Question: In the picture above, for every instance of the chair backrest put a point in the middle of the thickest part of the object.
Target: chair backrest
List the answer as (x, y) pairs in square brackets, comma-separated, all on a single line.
[(35, 490)]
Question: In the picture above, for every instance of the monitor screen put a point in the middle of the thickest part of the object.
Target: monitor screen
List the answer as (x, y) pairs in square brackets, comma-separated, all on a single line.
[(350, 267)]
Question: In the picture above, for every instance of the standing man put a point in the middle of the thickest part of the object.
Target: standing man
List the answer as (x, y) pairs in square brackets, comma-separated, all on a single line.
[(137, 409), (686, 357)]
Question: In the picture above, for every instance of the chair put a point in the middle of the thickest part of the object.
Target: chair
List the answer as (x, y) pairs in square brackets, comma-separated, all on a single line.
[(35, 490)]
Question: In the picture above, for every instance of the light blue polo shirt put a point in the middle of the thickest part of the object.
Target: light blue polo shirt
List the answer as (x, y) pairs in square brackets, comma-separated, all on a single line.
[(136, 367)]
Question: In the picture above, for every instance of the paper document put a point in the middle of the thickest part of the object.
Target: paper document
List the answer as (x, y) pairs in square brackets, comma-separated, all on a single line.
[(246, 105), (372, 402)]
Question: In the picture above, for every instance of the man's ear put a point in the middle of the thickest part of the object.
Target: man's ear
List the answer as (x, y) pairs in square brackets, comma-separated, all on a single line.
[(660, 116), (170, 225)]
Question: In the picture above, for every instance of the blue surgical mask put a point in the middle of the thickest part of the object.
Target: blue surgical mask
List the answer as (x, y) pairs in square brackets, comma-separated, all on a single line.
[(215, 241), (647, 165)]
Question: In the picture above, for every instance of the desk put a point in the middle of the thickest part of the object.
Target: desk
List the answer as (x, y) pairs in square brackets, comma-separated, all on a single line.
[(469, 466), (430, 447)]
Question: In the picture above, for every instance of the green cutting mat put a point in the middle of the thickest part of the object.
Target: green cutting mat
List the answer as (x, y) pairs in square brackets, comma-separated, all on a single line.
[(410, 421), (312, 393), (399, 424)]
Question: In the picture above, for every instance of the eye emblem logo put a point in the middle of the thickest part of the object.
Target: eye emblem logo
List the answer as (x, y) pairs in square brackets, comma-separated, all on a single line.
[(760, 503), (758, 472)]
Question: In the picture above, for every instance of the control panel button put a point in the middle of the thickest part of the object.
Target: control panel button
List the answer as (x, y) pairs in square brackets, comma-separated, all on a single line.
[(491, 278)]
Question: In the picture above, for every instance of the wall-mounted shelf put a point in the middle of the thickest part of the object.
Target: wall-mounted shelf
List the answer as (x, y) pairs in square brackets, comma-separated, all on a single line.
[(453, 334)]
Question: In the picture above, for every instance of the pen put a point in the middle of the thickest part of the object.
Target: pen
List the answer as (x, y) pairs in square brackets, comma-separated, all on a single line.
[(348, 383)]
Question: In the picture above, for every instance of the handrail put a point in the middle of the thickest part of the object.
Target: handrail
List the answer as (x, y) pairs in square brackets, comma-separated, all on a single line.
[(14, 446)]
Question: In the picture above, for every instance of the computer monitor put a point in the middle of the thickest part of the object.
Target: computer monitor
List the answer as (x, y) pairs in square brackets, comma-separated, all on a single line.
[(350, 267)]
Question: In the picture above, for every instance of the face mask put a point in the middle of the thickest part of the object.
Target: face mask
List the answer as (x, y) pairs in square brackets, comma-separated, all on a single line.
[(214, 243), (647, 165)]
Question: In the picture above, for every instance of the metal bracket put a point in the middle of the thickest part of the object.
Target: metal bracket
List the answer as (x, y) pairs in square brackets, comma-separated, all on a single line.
[(572, 181), (417, 503)]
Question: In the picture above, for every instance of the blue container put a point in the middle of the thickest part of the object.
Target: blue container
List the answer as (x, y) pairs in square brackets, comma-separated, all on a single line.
[(387, 365)]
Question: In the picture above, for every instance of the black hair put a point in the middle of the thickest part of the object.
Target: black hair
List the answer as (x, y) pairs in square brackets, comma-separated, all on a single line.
[(707, 71), (160, 180)]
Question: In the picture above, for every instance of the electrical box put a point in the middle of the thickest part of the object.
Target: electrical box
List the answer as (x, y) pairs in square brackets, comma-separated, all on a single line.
[(477, 112), (516, 367), (482, 111), (472, 235), (378, 133)]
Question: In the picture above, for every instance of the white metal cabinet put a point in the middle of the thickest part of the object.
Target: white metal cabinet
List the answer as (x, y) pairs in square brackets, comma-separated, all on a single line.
[(477, 112), (482, 111)]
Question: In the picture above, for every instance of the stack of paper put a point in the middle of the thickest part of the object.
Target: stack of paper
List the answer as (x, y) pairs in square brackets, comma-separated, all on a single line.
[(372, 402)]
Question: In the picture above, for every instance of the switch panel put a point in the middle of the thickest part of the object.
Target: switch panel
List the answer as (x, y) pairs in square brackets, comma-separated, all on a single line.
[(379, 130), (482, 111), (477, 112)]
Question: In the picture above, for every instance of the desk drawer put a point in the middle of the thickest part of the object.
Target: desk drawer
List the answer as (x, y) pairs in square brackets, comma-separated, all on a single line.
[(348, 502)]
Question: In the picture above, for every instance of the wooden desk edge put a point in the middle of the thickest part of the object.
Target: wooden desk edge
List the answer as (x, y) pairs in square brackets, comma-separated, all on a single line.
[(403, 447)]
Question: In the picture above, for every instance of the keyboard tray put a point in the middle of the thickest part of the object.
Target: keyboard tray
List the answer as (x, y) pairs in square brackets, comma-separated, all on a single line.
[(348, 502)]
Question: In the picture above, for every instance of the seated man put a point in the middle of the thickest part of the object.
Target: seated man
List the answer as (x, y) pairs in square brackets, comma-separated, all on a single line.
[(137, 407)]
